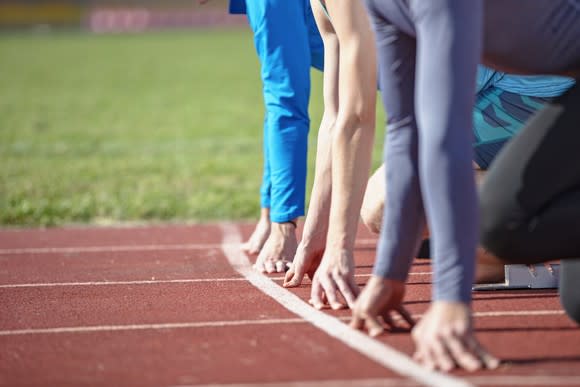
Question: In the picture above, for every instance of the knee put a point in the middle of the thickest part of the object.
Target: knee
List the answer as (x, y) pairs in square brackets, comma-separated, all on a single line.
[(571, 305), (371, 216), (495, 226), (569, 289), (374, 200)]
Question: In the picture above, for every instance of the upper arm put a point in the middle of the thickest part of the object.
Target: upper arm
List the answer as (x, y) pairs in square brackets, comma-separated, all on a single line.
[(357, 58), (331, 59)]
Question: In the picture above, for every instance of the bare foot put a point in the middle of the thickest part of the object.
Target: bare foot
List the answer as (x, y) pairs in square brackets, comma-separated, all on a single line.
[(253, 245), (488, 268), (278, 251), (444, 339), (378, 299)]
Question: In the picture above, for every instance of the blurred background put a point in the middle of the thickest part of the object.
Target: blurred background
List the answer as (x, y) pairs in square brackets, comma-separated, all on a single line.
[(131, 111), (114, 15)]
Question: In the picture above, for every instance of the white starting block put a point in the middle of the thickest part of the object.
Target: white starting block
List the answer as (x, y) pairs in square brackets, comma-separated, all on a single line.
[(537, 276)]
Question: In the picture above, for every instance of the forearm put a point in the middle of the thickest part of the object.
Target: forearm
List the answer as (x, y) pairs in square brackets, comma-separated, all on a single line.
[(444, 102), (353, 133), (316, 224), (352, 150)]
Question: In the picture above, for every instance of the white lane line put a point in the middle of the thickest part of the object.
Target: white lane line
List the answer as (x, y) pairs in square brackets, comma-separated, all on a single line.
[(109, 249), (503, 380), (127, 248), (518, 313), (535, 380), (360, 342), (134, 327), (150, 282), (366, 242), (227, 323), (382, 382), (114, 283)]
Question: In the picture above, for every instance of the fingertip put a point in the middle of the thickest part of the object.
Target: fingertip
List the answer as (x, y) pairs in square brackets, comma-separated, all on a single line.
[(291, 284), (356, 322), (288, 276), (417, 356), (375, 331), (469, 363), (269, 266), (491, 362), (317, 304), (494, 364), (374, 328)]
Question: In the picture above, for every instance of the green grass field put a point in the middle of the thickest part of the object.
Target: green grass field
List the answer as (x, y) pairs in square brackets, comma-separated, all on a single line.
[(151, 127)]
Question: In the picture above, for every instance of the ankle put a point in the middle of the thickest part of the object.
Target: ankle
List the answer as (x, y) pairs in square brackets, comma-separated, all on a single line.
[(284, 228)]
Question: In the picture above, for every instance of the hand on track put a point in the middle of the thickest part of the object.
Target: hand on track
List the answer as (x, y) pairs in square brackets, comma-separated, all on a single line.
[(444, 339), (376, 303), (306, 261), (334, 277)]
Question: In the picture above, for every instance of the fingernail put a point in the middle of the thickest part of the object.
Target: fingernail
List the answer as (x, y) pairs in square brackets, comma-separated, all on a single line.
[(375, 332)]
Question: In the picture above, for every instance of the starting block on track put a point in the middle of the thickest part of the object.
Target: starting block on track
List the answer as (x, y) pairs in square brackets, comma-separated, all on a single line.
[(537, 276)]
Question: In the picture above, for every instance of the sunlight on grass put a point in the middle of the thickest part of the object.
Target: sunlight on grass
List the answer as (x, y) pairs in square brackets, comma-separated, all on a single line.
[(163, 126)]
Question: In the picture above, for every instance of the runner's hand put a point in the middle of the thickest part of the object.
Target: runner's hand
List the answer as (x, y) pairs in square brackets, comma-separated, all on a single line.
[(335, 276), (374, 307), (306, 261), (444, 339)]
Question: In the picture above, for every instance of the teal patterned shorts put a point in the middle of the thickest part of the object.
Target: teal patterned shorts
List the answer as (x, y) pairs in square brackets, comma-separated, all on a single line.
[(498, 115)]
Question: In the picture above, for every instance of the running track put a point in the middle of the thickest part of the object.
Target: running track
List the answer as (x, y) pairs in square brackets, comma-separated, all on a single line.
[(179, 305)]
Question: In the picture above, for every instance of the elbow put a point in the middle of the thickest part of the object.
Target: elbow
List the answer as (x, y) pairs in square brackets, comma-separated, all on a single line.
[(374, 201), (570, 298), (371, 216), (348, 125)]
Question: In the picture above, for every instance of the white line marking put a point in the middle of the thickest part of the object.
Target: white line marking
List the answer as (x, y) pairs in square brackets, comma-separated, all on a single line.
[(383, 382), (209, 324), (504, 380), (133, 327), (150, 282), (109, 249), (362, 343), (126, 248), (515, 380), (114, 283), (518, 313), (366, 242)]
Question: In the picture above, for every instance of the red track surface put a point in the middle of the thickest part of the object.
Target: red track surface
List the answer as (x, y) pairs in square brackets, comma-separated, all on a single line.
[(161, 306)]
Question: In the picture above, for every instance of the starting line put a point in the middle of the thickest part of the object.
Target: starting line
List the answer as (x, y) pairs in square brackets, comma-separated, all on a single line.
[(359, 341)]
